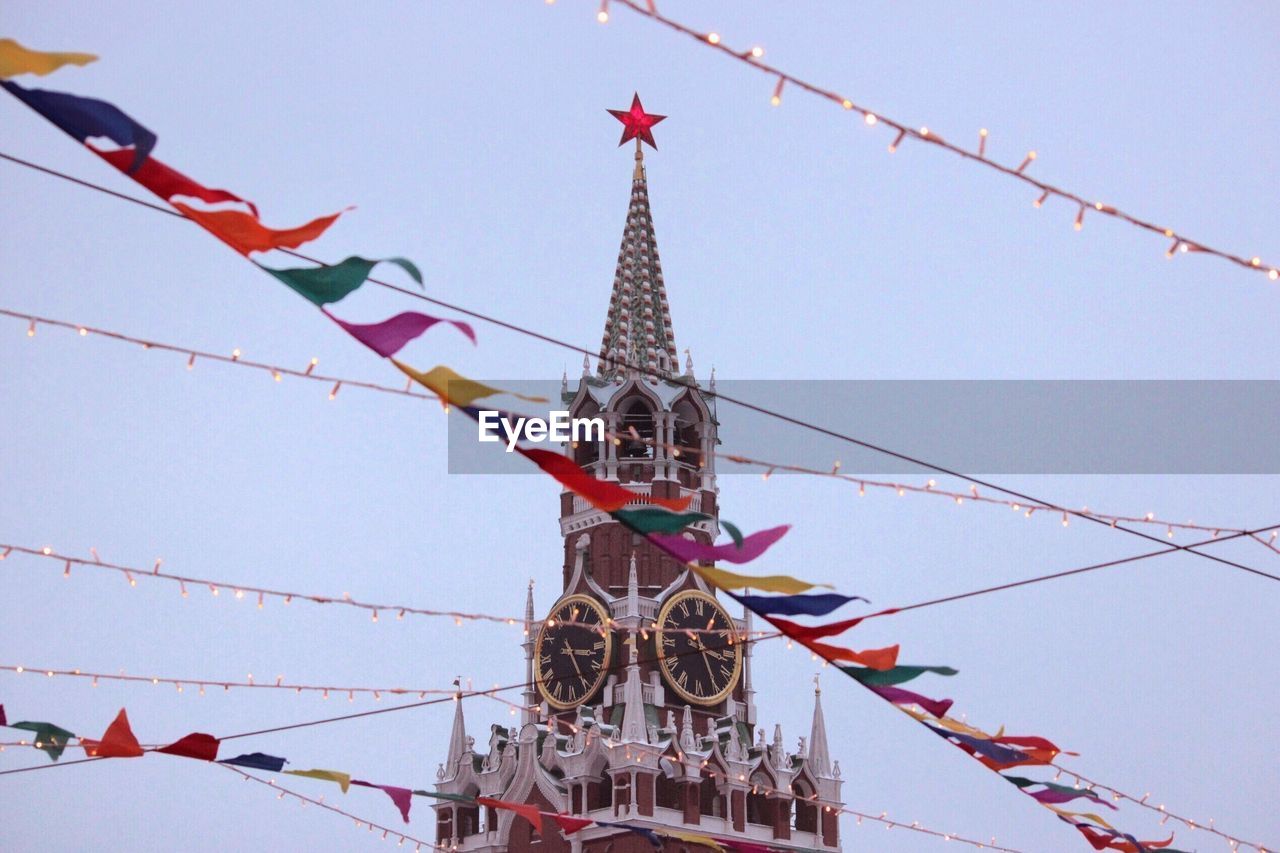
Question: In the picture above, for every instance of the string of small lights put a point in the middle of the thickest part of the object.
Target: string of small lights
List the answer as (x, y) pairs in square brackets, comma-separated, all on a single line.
[(902, 131), (361, 823), (769, 467), (201, 684), (276, 372), (643, 370), (1166, 815), (185, 583)]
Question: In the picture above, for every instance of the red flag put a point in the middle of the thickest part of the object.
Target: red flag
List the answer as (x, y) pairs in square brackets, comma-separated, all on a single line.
[(195, 745), (165, 181), (570, 824), (530, 813), (602, 495), (118, 742), (813, 632)]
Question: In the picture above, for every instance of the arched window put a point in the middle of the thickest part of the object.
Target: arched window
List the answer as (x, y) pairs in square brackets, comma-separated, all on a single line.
[(600, 794), (759, 806), (688, 431), (806, 811), (711, 801), (636, 415), (667, 793)]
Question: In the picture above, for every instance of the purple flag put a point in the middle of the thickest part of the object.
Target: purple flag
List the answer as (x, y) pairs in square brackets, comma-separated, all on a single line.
[(898, 696), (402, 797), (752, 546), (389, 337)]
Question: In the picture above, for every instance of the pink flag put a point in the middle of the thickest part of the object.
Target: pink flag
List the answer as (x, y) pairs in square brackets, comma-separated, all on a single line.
[(690, 551), (402, 797), (389, 337)]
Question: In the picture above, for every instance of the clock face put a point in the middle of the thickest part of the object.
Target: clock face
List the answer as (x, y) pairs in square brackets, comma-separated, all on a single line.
[(701, 657), (571, 653)]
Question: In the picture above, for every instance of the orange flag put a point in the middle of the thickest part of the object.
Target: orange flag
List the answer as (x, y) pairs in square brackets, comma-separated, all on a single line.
[(880, 659), (118, 742), (244, 233)]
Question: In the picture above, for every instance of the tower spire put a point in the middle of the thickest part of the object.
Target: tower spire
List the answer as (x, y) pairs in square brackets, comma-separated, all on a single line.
[(458, 737), (638, 327), (819, 755), (529, 714)]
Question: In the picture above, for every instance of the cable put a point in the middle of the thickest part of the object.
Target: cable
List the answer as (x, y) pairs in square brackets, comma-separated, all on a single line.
[(924, 134), (234, 358), (781, 416), (386, 831), (738, 459)]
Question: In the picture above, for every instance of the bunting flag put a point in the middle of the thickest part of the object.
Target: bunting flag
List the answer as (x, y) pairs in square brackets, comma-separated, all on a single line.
[(85, 118), (896, 675), (689, 550), (390, 336), (877, 659), (569, 824), (655, 520), (990, 753), (440, 795), (244, 233), (343, 779), (647, 834), (1110, 839), (734, 533), (818, 604), (4, 721), (195, 745), (167, 182), (50, 739), (1055, 793), (257, 761), (1041, 749), (602, 494), (765, 583), (693, 838), (455, 389), (963, 728), (117, 742), (796, 631), (402, 797), (898, 696), (529, 812), (16, 59), (324, 285)]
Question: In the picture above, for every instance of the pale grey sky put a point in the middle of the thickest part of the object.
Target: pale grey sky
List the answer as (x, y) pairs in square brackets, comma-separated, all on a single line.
[(474, 140)]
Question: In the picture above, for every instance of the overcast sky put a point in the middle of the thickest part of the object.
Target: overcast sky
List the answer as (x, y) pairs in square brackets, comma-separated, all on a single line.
[(474, 140)]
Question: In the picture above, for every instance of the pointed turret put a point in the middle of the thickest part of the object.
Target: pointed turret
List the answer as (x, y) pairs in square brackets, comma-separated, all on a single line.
[(638, 329), (634, 727), (529, 714), (819, 756), (458, 737)]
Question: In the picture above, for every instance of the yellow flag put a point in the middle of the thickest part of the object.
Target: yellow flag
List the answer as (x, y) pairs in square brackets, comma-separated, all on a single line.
[(454, 388), (16, 59), (765, 583), (963, 728), (692, 838), (343, 779), (1093, 817)]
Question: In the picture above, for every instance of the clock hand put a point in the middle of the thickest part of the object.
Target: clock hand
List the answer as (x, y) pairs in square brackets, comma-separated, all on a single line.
[(569, 651)]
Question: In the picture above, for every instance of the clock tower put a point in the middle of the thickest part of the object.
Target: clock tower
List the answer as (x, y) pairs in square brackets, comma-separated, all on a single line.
[(639, 707)]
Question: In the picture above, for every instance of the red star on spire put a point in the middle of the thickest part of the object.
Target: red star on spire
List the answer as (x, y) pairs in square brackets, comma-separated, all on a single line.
[(637, 124)]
